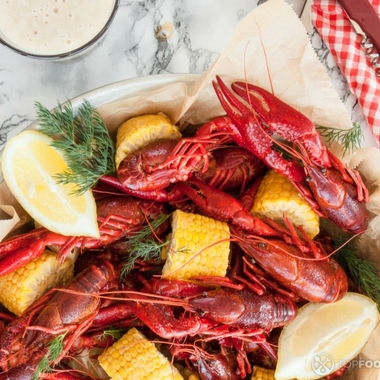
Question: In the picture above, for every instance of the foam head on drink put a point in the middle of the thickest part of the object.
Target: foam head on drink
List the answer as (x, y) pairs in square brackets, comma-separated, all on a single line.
[(52, 27)]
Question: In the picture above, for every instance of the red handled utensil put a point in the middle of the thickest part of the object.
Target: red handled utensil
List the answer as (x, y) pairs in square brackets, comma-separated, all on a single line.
[(366, 23)]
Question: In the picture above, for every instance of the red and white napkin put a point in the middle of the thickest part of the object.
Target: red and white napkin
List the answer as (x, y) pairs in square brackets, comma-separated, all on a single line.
[(336, 30)]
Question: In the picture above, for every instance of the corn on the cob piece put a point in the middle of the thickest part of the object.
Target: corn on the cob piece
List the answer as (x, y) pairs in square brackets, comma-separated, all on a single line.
[(134, 133), (276, 196), (133, 357), (198, 246), (259, 373), (19, 289)]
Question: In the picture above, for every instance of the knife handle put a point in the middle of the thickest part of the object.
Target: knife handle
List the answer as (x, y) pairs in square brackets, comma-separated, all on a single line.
[(369, 48), (365, 21)]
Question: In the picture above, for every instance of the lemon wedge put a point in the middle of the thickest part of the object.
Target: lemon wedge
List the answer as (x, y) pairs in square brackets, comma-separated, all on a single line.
[(29, 164), (324, 337), (138, 131)]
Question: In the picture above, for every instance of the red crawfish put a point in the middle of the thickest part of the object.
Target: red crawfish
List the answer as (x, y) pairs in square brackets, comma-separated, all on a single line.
[(24, 341), (210, 310), (118, 216), (298, 264), (313, 278), (205, 311), (149, 172), (331, 189), (209, 363), (218, 366), (231, 168)]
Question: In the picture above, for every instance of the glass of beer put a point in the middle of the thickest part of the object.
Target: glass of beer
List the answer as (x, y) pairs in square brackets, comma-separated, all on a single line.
[(54, 29)]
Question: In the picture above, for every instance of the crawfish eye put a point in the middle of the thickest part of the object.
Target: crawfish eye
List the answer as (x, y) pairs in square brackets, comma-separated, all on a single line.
[(323, 170), (308, 179), (262, 245)]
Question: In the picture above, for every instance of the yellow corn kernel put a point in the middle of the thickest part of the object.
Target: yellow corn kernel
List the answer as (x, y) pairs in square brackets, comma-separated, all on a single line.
[(133, 357), (276, 196), (20, 288), (194, 376), (187, 373), (134, 133), (259, 373), (198, 246)]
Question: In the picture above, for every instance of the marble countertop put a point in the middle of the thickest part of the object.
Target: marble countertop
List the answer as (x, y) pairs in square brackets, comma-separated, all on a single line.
[(146, 38)]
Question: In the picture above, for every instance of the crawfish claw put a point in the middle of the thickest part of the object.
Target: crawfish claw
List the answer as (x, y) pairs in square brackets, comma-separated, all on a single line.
[(212, 202), (284, 120), (249, 133)]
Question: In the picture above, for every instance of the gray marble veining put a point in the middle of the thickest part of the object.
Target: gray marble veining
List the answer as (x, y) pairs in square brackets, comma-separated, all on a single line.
[(147, 37)]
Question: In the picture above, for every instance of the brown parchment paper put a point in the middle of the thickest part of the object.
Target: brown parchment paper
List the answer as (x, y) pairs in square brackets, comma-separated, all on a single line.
[(269, 47)]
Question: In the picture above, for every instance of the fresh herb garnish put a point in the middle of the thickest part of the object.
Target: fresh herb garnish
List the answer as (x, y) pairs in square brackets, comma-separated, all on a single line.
[(143, 245), (83, 140), (115, 334), (54, 350), (363, 272), (350, 139)]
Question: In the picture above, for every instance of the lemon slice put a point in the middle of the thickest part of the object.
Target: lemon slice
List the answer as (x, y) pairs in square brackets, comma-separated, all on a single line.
[(134, 133), (29, 164), (324, 337)]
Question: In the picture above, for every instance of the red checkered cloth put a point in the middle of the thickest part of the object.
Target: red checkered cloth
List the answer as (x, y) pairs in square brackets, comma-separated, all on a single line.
[(337, 32)]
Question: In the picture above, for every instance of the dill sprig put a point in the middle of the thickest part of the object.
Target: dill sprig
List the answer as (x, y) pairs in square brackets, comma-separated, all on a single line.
[(83, 140), (55, 348), (363, 272), (116, 334), (145, 250), (142, 245), (350, 139)]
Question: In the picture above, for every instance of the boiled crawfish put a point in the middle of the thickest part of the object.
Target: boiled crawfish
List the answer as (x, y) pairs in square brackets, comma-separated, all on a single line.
[(24, 341), (118, 216), (331, 189), (230, 314), (201, 312), (298, 264), (231, 168), (239, 309), (149, 172), (315, 279)]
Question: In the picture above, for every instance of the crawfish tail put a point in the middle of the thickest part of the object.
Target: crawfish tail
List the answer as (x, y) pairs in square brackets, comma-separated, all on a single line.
[(245, 309)]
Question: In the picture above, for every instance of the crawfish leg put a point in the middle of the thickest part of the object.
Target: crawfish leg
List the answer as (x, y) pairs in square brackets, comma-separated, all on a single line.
[(162, 321), (77, 333), (352, 177), (19, 251)]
